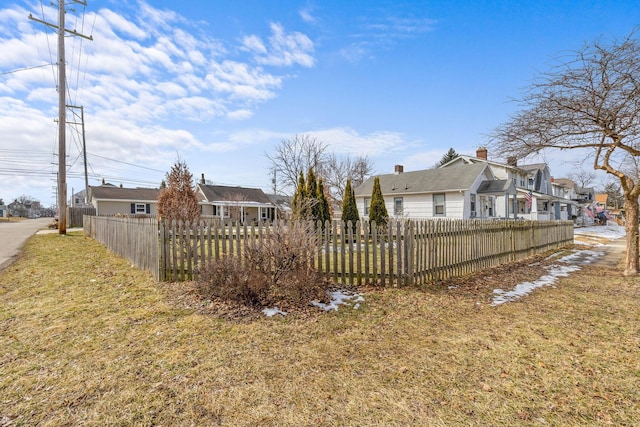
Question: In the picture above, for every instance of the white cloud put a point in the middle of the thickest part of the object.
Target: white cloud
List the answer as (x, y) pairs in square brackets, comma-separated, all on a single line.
[(145, 74), (239, 114), (307, 16), (284, 49), (348, 141)]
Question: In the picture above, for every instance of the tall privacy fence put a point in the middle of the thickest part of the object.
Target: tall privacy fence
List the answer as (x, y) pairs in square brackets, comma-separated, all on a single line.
[(135, 239), (76, 215), (405, 252)]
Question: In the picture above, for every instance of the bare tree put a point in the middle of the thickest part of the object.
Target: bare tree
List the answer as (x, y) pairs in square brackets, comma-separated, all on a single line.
[(589, 101), (339, 169), (295, 155), (583, 178)]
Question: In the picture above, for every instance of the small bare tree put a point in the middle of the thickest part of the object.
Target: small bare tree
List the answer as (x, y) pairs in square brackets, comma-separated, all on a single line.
[(589, 101)]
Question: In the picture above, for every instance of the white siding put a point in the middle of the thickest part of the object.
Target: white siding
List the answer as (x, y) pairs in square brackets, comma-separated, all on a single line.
[(421, 205)]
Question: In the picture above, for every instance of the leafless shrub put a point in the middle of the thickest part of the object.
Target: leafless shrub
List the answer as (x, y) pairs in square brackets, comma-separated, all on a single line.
[(277, 269), (228, 280)]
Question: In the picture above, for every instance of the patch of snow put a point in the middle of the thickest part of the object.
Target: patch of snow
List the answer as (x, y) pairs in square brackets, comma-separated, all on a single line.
[(270, 312), (605, 231), (340, 297), (572, 262)]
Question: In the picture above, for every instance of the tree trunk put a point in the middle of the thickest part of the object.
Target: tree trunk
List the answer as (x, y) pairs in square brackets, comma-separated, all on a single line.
[(631, 217)]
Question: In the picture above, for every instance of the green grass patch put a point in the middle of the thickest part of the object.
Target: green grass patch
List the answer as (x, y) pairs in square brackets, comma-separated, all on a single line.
[(88, 340)]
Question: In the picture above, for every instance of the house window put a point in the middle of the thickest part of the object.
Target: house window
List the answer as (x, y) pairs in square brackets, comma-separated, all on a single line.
[(473, 205), (214, 210), (140, 208), (438, 205), (367, 205), (397, 205)]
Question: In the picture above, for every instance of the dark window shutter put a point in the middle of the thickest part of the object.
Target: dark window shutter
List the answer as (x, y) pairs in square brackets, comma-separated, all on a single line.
[(133, 208), (148, 208)]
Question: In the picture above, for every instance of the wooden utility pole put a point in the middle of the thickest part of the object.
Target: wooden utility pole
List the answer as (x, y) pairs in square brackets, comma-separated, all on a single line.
[(62, 113)]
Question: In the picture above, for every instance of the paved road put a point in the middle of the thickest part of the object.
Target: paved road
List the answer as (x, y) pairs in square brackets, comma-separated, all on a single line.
[(14, 234)]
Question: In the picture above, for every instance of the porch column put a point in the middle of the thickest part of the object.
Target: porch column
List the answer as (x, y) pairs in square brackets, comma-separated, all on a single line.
[(259, 213)]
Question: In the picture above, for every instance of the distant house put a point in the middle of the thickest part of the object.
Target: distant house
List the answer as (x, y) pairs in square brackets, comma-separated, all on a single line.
[(25, 208), (111, 200), (4, 212), (236, 203), (461, 191)]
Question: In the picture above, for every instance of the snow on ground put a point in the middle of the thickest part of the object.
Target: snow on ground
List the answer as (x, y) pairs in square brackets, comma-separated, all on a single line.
[(610, 232), (565, 265), (336, 298), (340, 297)]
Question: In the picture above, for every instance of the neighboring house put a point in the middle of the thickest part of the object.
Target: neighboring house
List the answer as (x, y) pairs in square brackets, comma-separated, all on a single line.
[(111, 200), (235, 203), (282, 204), (4, 212), (534, 185), (462, 191), (78, 200)]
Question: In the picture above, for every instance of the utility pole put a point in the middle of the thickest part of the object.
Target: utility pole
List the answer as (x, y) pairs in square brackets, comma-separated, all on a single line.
[(62, 113), (84, 152)]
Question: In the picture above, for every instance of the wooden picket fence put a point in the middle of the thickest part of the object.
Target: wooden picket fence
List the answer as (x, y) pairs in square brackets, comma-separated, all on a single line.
[(404, 253)]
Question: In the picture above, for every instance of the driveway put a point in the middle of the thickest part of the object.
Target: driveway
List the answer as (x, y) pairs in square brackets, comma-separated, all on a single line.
[(14, 234)]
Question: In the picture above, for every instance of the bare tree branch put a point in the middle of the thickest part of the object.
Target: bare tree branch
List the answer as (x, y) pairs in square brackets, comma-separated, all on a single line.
[(590, 101)]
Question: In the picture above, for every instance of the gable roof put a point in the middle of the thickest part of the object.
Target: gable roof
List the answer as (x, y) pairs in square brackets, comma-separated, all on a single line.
[(452, 178), (222, 193), (110, 192)]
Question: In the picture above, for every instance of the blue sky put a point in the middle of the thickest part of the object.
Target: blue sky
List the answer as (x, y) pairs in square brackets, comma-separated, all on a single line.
[(220, 83)]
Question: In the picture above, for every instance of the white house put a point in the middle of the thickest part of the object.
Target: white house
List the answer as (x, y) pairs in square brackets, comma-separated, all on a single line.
[(536, 198), (462, 191)]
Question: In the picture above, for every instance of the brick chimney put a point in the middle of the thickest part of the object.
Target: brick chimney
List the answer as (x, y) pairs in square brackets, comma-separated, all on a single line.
[(481, 153), (398, 169), (202, 181)]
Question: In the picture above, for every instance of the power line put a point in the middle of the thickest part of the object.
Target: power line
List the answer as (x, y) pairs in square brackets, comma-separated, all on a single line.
[(24, 69)]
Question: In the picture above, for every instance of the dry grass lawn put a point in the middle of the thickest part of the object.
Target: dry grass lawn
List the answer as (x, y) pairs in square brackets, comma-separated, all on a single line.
[(88, 340)]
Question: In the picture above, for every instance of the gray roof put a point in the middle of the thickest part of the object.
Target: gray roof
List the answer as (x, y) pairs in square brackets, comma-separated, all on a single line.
[(534, 167), (109, 192), (283, 202), (452, 178), (497, 186), (222, 193)]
